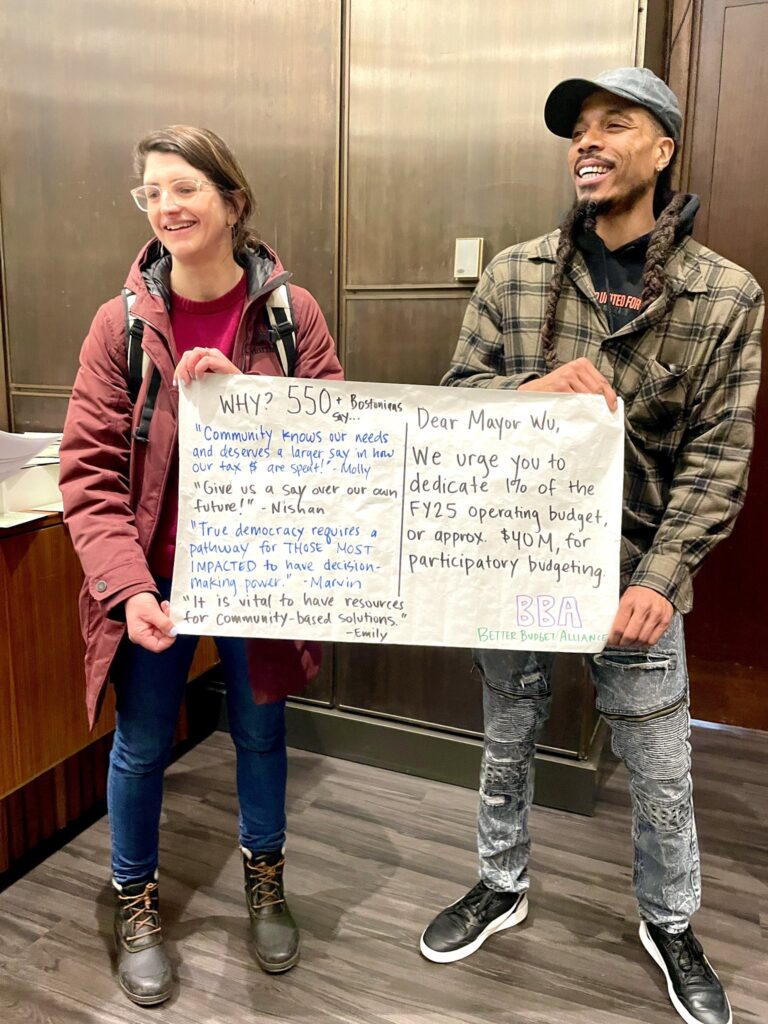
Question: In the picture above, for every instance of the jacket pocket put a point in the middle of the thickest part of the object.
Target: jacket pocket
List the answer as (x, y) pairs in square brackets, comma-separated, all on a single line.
[(660, 398)]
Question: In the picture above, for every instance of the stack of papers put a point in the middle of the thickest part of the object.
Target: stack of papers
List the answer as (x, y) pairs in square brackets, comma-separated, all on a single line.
[(50, 453), (17, 449), (17, 452)]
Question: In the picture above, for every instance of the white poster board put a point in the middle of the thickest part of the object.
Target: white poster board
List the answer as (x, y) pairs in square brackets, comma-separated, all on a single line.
[(385, 513)]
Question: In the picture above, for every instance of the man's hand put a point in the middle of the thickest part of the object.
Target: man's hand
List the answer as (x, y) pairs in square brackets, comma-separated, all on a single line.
[(579, 376), (148, 622), (642, 618)]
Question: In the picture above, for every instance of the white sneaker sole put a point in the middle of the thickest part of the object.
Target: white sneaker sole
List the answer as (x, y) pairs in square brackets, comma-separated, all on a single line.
[(658, 959), (508, 920)]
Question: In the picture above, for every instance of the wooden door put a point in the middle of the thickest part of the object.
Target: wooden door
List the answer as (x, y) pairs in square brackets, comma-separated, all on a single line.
[(727, 156)]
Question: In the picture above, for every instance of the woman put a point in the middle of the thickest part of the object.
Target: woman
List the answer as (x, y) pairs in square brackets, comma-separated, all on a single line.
[(200, 289)]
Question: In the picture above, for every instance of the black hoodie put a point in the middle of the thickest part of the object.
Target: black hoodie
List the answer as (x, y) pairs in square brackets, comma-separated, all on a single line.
[(617, 275)]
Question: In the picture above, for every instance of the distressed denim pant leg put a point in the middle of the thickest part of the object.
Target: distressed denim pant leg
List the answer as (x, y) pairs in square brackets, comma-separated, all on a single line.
[(644, 697), (516, 702)]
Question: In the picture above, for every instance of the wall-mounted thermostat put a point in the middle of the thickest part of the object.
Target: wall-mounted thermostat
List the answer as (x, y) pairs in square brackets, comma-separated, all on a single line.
[(468, 259)]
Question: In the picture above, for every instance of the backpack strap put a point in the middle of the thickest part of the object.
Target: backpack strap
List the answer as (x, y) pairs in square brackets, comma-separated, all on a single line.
[(282, 327), (138, 363), (282, 334), (142, 431), (134, 332)]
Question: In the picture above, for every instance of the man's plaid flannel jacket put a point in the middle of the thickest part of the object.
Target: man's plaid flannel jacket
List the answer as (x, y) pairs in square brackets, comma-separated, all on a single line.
[(689, 380)]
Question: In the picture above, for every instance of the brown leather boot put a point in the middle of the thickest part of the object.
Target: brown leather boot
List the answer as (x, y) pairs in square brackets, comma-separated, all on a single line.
[(143, 969), (273, 930)]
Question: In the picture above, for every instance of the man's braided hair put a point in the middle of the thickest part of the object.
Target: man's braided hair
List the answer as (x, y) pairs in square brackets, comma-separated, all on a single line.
[(582, 217)]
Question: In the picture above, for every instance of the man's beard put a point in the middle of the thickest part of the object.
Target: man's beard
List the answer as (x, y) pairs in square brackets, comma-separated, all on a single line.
[(616, 205)]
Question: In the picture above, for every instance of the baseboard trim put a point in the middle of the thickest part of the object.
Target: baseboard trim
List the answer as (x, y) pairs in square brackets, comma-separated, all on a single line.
[(561, 782), (566, 783)]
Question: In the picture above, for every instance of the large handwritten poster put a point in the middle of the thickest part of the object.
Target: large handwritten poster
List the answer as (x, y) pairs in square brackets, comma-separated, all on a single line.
[(380, 513)]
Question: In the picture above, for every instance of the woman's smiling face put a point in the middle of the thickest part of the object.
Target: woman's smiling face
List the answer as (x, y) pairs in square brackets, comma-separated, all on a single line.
[(196, 228)]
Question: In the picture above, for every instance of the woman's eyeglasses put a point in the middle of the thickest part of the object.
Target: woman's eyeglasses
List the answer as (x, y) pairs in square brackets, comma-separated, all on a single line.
[(181, 191)]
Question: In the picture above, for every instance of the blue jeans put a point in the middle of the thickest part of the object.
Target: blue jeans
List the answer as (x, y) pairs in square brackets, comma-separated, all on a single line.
[(149, 689), (643, 695)]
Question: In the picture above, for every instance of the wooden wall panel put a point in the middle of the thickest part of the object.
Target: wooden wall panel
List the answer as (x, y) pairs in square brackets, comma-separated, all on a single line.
[(77, 89), (42, 411), (205, 657), (446, 133), (402, 338), (728, 151), (437, 687), (428, 685), (656, 35)]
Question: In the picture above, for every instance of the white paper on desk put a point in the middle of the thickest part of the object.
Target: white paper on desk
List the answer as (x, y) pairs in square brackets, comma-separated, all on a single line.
[(54, 506), (17, 449), (8, 519), (50, 452), (372, 513)]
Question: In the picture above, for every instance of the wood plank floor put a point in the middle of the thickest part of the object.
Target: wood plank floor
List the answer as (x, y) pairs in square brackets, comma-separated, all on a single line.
[(372, 855)]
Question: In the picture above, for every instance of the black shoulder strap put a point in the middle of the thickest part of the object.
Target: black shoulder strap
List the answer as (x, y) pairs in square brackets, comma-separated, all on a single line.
[(137, 364), (279, 309), (134, 332), (142, 431)]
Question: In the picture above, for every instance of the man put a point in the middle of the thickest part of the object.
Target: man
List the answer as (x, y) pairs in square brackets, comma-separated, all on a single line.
[(621, 301)]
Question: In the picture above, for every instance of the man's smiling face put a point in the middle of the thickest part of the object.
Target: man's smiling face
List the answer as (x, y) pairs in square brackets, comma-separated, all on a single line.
[(617, 150)]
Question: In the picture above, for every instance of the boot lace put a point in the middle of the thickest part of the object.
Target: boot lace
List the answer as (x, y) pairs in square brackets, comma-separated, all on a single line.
[(141, 913), (689, 956), (265, 883)]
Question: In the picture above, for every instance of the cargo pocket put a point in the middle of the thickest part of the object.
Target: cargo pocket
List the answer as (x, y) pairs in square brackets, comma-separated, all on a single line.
[(514, 673), (638, 684)]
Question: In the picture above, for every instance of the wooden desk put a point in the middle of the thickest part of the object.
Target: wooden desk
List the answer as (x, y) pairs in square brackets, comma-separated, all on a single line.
[(42, 711)]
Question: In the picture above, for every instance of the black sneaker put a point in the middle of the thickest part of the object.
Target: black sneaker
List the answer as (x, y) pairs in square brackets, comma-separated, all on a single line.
[(463, 927), (694, 988)]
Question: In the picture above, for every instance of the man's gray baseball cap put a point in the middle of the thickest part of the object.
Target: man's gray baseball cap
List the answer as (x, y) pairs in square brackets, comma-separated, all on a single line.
[(639, 85)]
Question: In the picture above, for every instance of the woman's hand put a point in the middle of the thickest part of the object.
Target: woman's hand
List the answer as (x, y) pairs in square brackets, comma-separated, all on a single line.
[(197, 361), (148, 623)]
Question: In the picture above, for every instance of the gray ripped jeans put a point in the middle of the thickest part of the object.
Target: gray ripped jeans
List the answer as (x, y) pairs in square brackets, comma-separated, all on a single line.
[(643, 695)]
